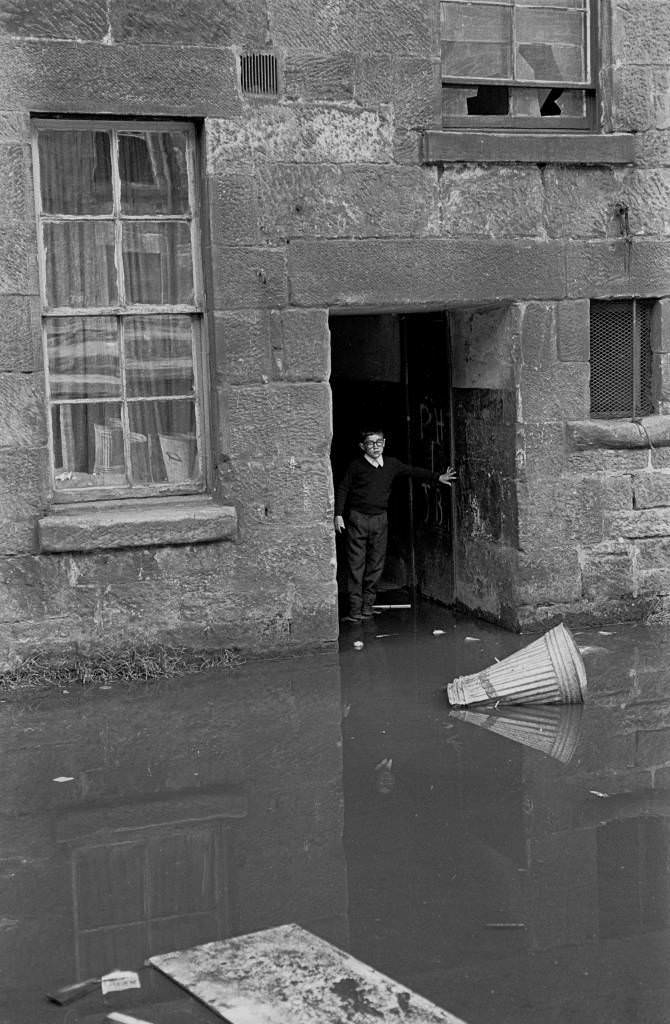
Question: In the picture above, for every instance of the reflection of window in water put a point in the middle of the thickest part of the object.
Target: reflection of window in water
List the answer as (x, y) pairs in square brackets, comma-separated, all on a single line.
[(139, 889)]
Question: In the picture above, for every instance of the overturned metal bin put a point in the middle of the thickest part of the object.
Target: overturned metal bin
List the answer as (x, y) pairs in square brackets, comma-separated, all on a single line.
[(548, 671)]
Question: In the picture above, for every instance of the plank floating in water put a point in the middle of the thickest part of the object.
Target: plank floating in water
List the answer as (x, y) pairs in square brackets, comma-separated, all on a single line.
[(286, 975)]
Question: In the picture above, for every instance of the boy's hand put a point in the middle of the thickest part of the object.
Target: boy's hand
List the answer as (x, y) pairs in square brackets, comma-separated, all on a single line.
[(339, 524), (448, 475)]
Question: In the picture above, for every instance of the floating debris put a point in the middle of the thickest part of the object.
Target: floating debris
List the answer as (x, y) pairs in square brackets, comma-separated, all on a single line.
[(63, 778), (254, 978), (119, 981), (548, 671), (124, 1018), (358, 644), (68, 993)]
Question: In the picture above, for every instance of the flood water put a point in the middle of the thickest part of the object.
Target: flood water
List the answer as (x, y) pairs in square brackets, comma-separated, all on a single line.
[(511, 868)]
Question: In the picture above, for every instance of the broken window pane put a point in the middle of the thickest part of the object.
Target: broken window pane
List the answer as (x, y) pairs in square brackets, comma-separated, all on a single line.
[(154, 172), (502, 100), (83, 357), (158, 356), (455, 100), (75, 172), (539, 41), (562, 103), (561, 60), (80, 268), (489, 100), (157, 263)]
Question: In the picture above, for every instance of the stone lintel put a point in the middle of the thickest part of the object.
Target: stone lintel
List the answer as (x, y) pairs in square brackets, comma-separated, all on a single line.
[(649, 432), (402, 274), (101, 525), (449, 146)]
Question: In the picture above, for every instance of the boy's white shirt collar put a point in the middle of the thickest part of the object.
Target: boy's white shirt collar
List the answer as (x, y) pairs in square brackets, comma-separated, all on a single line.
[(377, 463)]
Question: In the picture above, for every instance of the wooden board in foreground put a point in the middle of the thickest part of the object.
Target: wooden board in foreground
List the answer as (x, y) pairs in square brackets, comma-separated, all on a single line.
[(286, 975)]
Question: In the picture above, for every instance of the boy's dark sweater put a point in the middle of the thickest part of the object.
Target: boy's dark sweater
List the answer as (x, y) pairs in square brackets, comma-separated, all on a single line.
[(367, 488)]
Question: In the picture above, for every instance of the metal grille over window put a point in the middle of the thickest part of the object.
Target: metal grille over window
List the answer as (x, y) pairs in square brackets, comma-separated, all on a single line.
[(258, 72), (621, 361), (120, 284)]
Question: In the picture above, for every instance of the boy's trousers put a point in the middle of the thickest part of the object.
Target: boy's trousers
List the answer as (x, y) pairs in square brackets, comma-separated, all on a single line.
[(366, 538)]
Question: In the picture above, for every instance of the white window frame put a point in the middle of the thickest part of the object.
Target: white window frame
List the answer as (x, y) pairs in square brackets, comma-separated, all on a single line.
[(122, 309)]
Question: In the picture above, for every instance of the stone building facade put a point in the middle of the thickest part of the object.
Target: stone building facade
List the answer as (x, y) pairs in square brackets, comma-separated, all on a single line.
[(343, 164)]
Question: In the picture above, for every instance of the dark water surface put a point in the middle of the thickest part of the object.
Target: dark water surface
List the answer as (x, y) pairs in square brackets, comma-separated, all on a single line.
[(512, 868)]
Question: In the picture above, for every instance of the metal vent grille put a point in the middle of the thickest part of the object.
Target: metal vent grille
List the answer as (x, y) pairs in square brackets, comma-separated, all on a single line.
[(621, 365), (258, 73)]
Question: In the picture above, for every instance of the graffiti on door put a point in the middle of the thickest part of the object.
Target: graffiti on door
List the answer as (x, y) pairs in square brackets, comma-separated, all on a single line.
[(432, 424)]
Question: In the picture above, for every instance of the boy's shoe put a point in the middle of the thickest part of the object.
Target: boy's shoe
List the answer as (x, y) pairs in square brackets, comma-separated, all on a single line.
[(369, 613), (352, 618)]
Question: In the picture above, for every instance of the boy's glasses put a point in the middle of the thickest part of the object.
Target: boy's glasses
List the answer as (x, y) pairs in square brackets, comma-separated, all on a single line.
[(374, 444)]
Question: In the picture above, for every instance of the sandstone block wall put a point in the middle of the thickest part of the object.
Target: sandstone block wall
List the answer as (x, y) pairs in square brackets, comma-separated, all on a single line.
[(317, 200)]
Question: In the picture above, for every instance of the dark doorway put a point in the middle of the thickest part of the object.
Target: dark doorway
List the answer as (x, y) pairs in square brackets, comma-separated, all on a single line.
[(425, 345), (392, 372)]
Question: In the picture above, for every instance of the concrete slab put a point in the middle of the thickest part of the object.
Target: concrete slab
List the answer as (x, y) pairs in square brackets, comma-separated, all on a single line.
[(286, 975)]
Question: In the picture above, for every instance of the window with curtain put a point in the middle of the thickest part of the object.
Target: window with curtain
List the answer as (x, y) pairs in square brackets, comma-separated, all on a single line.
[(121, 307), (518, 63)]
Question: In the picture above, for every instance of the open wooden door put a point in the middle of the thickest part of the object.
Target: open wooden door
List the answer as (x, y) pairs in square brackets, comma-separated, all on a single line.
[(426, 372)]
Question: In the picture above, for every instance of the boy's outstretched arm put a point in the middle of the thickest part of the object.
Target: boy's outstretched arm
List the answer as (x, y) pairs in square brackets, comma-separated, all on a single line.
[(448, 475)]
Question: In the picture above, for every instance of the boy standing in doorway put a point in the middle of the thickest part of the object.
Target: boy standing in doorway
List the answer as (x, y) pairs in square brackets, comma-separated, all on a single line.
[(362, 496)]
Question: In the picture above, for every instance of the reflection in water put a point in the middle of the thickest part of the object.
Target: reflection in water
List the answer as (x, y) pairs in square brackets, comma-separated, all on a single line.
[(552, 729), (491, 877), (212, 808), (518, 882)]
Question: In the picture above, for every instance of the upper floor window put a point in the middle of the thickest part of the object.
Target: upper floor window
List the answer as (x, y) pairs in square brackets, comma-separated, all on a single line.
[(121, 295), (517, 63)]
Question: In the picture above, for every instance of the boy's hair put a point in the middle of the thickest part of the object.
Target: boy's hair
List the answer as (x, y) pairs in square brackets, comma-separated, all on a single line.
[(363, 433)]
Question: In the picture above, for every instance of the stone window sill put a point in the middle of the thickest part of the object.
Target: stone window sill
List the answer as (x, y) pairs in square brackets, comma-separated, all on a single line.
[(139, 819), (648, 432), (127, 524), (459, 146)]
